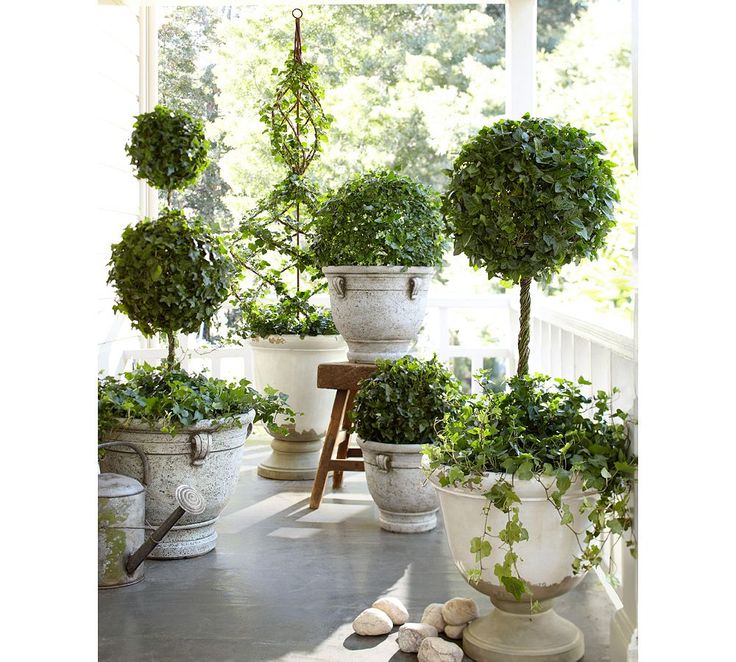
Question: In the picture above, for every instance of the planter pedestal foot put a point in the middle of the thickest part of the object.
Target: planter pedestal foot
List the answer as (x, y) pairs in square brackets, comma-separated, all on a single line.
[(185, 542), (502, 636), (407, 522), (291, 460)]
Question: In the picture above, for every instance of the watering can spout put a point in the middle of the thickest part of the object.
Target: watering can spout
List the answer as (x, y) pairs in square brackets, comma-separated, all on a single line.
[(188, 501)]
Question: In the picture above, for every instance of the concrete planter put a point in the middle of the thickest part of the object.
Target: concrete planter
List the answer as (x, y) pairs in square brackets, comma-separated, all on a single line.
[(202, 456), (289, 363), (378, 310), (510, 633), (405, 499)]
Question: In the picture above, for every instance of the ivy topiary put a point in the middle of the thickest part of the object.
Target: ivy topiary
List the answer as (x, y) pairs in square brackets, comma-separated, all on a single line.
[(380, 218), (168, 148), (170, 275), (527, 197), (405, 401)]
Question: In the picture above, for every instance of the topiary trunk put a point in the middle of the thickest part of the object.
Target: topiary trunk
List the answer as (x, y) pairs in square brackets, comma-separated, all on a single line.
[(525, 306)]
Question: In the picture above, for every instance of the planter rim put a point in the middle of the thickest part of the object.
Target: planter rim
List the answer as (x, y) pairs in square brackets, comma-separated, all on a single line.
[(528, 489), (381, 447), (293, 341), (391, 269), (209, 425)]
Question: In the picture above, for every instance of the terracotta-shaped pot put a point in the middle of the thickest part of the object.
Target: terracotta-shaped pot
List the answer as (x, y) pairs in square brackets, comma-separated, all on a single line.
[(406, 501), (205, 456), (289, 364), (510, 633), (378, 310)]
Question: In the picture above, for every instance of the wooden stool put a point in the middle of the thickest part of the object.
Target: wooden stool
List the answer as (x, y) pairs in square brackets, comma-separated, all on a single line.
[(345, 378)]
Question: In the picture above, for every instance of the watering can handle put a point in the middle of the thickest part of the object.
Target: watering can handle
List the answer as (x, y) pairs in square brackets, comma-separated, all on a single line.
[(137, 449)]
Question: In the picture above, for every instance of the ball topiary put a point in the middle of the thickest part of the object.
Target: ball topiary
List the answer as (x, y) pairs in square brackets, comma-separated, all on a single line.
[(170, 275), (380, 218), (168, 148), (527, 197)]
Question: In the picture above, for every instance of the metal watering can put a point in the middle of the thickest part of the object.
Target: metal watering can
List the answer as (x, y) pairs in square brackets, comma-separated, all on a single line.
[(121, 515)]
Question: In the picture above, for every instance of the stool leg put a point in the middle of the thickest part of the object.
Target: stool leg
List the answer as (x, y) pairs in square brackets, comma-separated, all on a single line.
[(318, 488), (342, 449)]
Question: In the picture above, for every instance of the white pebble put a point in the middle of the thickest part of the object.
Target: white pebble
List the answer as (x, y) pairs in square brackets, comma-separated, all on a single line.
[(433, 616), (455, 631), (394, 608), (372, 622), (459, 611), (411, 635), (434, 649)]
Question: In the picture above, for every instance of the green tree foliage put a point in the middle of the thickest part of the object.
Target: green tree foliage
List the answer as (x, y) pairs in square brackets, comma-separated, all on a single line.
[(187, 39)]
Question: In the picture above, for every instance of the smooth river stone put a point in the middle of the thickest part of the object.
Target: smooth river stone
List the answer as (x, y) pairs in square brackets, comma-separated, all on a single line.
[(411, 635), (433, 616), (434, 649), (372, 622), (455, 631), (394, 608), (460, 611)]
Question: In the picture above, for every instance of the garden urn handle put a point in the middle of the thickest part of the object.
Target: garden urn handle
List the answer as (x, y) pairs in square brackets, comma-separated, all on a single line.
[(415, 285), (201, 443), (383, 462), (339, 284)]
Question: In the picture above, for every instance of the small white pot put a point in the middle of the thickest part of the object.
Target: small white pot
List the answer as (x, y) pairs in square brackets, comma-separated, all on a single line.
[(203, 456), (378, 310), (289, 364), (405, 499), (510, 633)]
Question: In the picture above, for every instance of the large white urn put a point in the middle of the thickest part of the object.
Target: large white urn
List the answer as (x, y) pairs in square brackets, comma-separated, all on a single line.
[(406, 501), (289, 364), (378, 310), (206, 456), (511, 633)]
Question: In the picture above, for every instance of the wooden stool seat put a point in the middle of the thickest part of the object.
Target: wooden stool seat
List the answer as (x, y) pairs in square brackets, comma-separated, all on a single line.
[(345, 378)]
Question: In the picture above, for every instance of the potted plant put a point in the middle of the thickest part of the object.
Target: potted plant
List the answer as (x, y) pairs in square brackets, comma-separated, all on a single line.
[(288, 335), (171, 274), (397, 410), (379, 239), (538, 470)]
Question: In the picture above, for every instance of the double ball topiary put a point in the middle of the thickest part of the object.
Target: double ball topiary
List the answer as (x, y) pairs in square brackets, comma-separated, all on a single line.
[(168, 148), (170, 274), (380, 218), (527, 197), (405, 401)]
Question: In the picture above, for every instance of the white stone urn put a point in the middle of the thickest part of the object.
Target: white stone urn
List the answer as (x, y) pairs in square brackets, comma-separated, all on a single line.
[(406, 501), (205, 456), (289, 364), (510, 633), (378, 310)]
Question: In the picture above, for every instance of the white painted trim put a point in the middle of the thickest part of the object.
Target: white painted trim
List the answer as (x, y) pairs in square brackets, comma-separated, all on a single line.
[(521, 55), (148, 90), (622, 633)]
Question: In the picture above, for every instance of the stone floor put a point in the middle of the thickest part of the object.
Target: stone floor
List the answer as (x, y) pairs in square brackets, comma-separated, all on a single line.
[(285, 584)]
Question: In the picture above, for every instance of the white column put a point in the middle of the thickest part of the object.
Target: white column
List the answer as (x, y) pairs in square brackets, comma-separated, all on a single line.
[(148, 89), (521, 53)]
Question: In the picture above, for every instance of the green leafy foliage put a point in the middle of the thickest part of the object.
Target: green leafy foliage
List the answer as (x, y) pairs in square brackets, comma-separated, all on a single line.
[(292, 315), (539, 429), (380, 218), (170, 274), (528, 196), (168, 148), (405, 401), (170, 398)]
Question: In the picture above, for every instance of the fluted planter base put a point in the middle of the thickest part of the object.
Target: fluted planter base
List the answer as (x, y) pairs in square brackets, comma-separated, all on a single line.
[(291, 460), (506, 637)]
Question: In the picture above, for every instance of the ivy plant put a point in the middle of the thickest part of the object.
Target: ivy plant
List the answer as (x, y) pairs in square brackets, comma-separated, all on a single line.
[(525, 198), (170, 399), (380, 218), (273, 236), (170, 275), (168, 148), (539, 429), (405, 401)]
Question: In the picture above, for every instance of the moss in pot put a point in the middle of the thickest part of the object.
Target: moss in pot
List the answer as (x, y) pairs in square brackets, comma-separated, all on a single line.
[(400, 408)]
